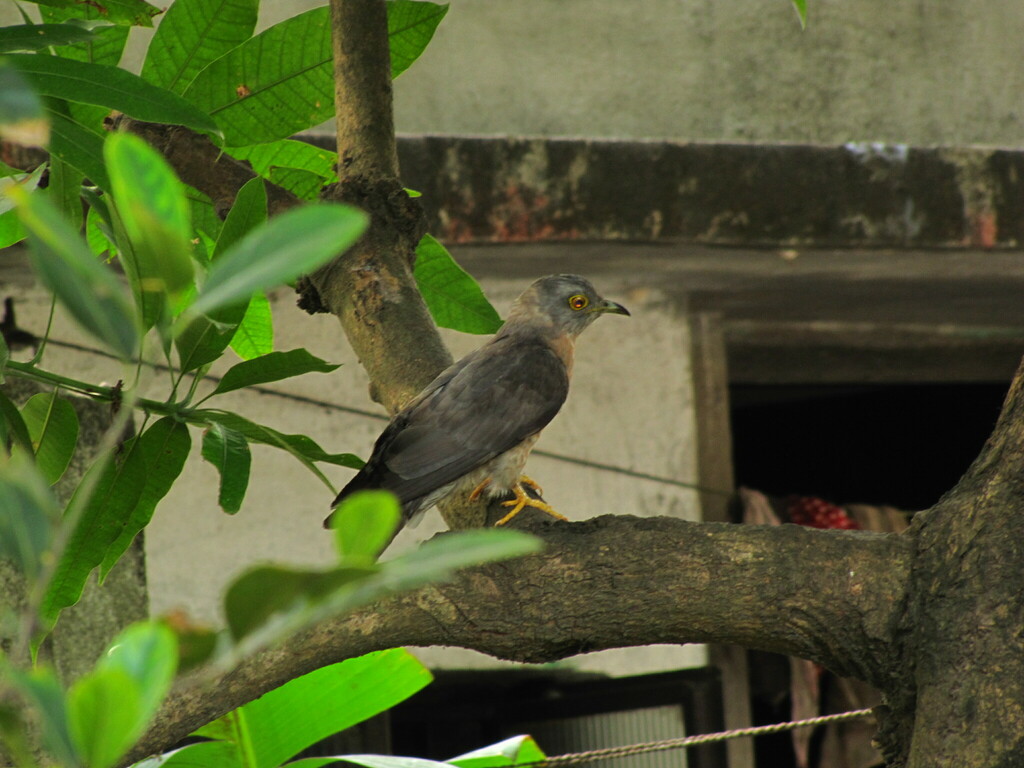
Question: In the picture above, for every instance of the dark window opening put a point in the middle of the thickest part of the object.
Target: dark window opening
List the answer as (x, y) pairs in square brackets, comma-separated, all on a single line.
[(901, 445)]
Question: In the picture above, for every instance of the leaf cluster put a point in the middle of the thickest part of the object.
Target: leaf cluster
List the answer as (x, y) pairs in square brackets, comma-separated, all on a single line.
[(95, 721), (192, 286), (196, 285)]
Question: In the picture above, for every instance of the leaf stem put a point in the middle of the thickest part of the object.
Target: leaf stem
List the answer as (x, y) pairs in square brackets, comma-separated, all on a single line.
[(95, 391), (46, 336)]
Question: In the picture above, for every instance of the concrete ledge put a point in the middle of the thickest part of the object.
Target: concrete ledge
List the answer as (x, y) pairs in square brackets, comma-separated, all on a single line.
[(868, 195)]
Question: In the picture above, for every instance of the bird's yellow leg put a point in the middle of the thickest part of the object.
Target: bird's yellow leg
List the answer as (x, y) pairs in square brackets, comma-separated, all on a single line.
[(521, 501), (479, 489), (530, 483)]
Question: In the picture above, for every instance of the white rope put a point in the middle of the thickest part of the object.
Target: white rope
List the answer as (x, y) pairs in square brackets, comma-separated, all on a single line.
[(692, 741)]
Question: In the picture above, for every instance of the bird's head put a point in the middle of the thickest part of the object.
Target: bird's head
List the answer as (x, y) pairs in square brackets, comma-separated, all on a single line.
[(568, 302)]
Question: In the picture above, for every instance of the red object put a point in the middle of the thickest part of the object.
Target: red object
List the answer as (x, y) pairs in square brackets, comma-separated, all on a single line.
[(818, 513)]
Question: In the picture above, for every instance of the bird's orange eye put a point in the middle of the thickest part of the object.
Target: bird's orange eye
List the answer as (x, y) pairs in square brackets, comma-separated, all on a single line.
[(579, 301)]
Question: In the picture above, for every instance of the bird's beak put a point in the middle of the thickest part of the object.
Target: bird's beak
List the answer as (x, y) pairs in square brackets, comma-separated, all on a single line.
[(614, 308)]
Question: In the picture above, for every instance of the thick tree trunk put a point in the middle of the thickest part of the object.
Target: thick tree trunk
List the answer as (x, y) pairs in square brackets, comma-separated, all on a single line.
[(961, 644)]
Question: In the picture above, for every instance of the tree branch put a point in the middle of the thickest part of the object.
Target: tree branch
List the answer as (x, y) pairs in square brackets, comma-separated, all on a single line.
[(201, 164), (362, 90), (371, 288), (610, 582)]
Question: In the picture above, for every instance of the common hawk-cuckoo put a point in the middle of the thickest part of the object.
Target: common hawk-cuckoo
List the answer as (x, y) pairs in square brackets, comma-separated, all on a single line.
[(471, 429)]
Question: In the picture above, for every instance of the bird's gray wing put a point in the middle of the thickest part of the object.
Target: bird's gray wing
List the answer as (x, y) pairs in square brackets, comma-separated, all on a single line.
[(502, 394)]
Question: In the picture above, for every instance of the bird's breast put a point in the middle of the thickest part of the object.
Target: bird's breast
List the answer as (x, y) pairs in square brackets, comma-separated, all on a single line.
[(564, 348)]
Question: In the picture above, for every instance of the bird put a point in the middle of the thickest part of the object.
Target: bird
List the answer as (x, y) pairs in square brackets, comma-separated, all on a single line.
[(471, 429)]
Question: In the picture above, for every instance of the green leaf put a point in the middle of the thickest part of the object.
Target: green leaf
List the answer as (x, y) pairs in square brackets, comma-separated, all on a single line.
[(78, 144), (11, 231), (510, 752), (27, 181), (88, 290), (107, 43), (255, 334), (390, 761), (14, 730), (435, 561), (268, 88), (364, 525), (132, 12), (206, 337), (103, 708), (98, 234), (801, 10), (154, 211), (163, 447), (27, 512), (36, 37), (288, 719), (194, 33), (196, 645), (53, 426), (228, 451), (110, 87), (438, 558), (292, 244), (289, 153), (265, 591), (147, 652), (204, 217), (274, 366), (143, 276), (305, 185), (247, 213), (411, 25), (302, 447), (22, 119), (41, 689), (452, 296), (270, 592), (65, 191), (107, 510), (205, 754), (13, 428)]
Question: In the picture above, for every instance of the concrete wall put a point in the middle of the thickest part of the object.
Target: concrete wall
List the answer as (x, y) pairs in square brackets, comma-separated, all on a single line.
[(918, 73), (864, 70)]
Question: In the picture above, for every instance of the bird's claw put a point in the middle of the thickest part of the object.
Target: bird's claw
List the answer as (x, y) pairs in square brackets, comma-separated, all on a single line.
[(530, 483), (479, 489), (521, 500)]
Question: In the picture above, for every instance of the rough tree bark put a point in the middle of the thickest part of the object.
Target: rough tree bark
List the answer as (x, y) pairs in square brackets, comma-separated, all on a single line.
[(933, 617), (371, 288)]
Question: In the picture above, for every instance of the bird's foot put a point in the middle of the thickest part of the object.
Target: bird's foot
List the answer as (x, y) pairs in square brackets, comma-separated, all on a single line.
[(522, 500), (479, 489), (530, 483)]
